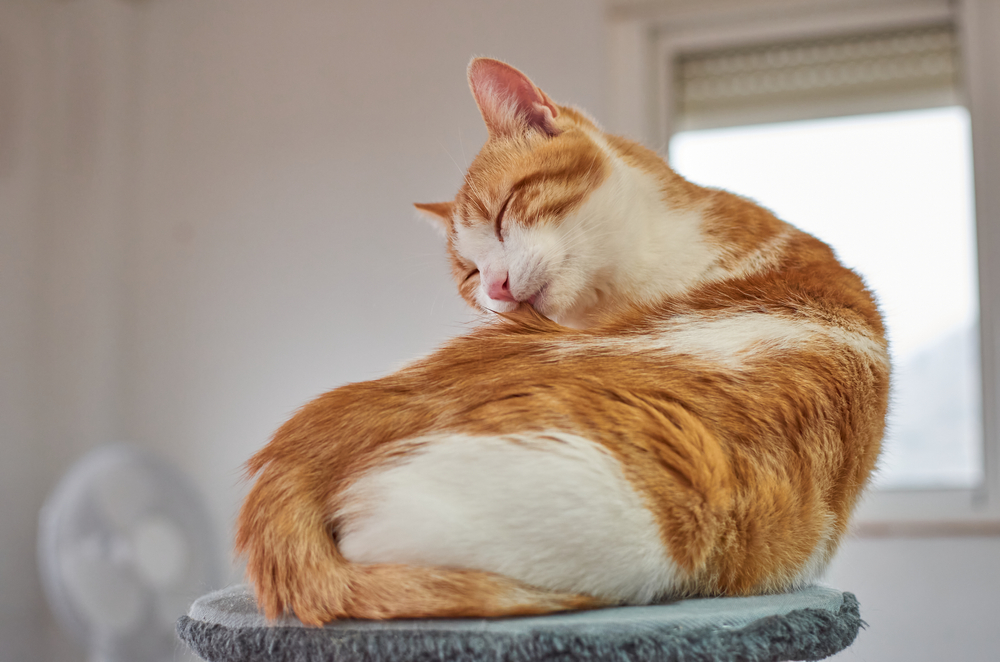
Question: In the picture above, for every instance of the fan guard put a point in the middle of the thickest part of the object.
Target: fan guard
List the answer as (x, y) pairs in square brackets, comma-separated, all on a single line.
[(125, 544)]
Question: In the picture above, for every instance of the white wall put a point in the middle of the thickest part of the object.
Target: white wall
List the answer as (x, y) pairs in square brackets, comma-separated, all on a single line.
[(63, 105), (21, 61), (207, 222), (924, 600)]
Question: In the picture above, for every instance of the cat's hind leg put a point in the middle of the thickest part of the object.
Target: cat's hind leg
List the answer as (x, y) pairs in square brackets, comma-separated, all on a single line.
[(294, 563)]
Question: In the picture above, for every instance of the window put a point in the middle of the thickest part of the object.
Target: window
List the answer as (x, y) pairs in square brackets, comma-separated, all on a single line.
[(854, 125), (892, 193), (890, 190)]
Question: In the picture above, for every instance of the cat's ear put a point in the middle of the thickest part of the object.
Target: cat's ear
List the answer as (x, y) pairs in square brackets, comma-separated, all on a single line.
[(509, 101), (439, 213)]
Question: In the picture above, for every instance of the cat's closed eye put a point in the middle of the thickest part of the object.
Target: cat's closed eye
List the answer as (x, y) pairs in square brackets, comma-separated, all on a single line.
[(470, 275), (498, 224)]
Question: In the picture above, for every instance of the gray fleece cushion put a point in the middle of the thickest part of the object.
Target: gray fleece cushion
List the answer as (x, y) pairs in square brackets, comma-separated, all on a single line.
[(809, 624)]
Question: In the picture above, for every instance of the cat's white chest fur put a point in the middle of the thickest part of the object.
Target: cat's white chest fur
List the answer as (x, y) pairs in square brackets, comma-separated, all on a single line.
[(549, 509)]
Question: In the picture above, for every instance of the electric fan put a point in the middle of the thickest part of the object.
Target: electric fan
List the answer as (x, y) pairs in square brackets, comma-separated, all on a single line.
[(124, 546)]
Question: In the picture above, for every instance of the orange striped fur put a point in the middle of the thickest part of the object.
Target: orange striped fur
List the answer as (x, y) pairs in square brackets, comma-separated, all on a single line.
[(681, 395)]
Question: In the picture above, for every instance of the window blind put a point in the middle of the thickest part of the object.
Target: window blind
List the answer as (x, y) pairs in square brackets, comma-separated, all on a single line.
[(835, 76)]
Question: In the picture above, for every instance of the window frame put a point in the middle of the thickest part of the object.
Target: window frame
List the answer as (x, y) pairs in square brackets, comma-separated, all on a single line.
[(644, 38)]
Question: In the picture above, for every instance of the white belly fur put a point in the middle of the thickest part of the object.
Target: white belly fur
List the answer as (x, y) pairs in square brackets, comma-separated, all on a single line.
[(550, 509)]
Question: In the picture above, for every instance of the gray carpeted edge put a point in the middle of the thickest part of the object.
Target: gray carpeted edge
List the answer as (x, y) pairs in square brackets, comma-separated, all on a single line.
[(804, 634)]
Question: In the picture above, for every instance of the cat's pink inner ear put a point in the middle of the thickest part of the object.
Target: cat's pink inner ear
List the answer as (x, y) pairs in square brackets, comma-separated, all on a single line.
[(509, 101), (439, 213)]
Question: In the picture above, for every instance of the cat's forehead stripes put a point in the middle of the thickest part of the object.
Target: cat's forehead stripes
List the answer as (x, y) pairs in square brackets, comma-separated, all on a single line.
[(542, 180), (474, 208)]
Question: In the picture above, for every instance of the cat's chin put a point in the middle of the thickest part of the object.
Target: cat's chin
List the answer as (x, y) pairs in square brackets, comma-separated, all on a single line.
[(537, 301), (503, 307), (538, 296)]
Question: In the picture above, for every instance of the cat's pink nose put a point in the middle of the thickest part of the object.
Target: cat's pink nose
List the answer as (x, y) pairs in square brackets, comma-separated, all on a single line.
[(499, 289)]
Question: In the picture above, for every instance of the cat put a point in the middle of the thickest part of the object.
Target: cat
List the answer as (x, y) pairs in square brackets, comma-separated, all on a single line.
[(676, 394)]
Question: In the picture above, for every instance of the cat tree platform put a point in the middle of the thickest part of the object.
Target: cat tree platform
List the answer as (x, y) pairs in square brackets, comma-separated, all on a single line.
[(810, 624)]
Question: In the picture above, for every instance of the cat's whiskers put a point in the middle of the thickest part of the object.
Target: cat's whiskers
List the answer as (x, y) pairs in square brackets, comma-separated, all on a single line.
[(461, 146), (461, 170)]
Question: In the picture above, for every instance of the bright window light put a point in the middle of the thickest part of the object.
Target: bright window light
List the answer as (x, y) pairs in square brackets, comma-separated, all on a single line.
[(892, 194)]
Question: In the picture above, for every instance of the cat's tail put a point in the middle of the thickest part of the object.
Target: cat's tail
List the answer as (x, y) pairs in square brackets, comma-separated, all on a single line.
[(295, 567)]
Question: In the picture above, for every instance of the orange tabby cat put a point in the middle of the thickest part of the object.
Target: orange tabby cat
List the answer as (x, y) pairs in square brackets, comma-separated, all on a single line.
[(693, 409)]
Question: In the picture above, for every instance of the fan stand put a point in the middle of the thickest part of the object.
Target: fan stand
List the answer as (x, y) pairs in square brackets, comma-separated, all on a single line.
[(809, 624)]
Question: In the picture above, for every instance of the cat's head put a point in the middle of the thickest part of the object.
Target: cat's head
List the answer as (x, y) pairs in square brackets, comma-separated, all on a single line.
[(519, 230)]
